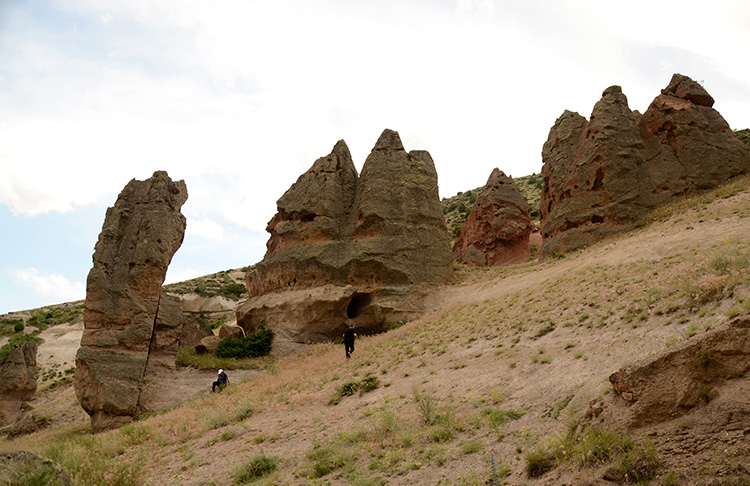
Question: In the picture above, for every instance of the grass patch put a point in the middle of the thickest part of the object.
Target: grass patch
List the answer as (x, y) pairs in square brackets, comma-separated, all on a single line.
[(259, 466)]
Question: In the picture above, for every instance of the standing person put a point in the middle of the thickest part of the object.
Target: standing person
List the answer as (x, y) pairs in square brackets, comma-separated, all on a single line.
[(221, 382), (349, 335)]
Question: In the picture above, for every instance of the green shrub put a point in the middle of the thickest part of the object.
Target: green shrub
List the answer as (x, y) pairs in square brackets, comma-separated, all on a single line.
[(44, 318), (18, 327), (252, 346), (538, 462), (233, 290), (8, 325), (256, 468)]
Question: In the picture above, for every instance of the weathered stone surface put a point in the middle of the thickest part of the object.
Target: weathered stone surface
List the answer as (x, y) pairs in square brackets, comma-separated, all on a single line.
[(686, 376), (231, 331), (208, 344), (27, 424), (193, 331), (140, 234), (498, 227), (16, 467), (604, 175), (17, 382), (335, 229), (591, 174)]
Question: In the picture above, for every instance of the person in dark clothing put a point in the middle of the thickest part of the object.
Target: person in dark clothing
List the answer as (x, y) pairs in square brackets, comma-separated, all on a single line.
[(221, 382), (349, 335)]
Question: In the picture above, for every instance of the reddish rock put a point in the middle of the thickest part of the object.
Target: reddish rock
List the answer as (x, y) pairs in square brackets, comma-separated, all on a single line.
[(604, 175), (363, 238), (498, 227), (140, 234)]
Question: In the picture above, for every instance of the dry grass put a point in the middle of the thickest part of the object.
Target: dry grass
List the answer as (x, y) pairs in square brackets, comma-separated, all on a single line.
[(491, 377)]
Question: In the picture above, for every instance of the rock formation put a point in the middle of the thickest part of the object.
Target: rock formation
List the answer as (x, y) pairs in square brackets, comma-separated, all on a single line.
[(344, 246), (604, 175), (17, 382), (24, 467), (125, 316), (498, 227), (686, 376)]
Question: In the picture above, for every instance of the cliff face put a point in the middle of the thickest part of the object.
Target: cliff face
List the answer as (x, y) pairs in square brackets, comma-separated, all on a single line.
[(604, 174), (350, 243)]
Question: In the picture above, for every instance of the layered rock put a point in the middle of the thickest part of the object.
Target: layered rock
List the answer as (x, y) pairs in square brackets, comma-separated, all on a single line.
[(498, 227), (687, 376), (342, 246), (604, 175), (140, 234), (17, 382)]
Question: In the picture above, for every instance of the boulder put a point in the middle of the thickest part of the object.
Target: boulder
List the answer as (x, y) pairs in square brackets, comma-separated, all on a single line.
[(686, 376), (498, 227), (353, 241), (231, 331), (603, 176), (208, 344), (17, 382), (140, 234), (193, 331)]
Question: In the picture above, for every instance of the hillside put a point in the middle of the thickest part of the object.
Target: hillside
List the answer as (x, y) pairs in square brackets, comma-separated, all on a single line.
[(488, 388)]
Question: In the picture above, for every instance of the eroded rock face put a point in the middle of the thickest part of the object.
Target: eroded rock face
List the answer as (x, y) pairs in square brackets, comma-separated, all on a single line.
[(604, 175), (141, 233), (350, 239), (687, 376), (17, 382), (498, 227)]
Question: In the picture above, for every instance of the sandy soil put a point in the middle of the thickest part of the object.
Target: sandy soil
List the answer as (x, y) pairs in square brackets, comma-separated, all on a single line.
[(466, 375)]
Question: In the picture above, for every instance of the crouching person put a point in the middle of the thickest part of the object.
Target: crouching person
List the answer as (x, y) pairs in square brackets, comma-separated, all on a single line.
[(221, 382)]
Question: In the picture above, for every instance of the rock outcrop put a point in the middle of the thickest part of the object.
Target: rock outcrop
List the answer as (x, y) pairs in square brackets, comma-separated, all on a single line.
[(498, 227), (686, 376), (17, 382), (344, 246), (125, 316), (24, 467), (604, 175)]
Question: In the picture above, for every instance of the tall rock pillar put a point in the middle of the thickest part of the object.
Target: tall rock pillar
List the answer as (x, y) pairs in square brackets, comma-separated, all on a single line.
[(141, 233)]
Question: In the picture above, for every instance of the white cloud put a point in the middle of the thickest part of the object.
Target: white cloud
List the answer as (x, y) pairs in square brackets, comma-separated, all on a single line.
[(51, 286), (204, 228)]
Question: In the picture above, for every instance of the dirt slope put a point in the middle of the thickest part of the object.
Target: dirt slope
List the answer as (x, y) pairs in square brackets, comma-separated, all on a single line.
[(534, 342)]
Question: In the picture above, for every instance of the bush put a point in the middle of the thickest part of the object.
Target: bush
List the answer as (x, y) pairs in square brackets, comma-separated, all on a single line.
[(233, 290), (258, 467), (18, 327), (252, 346), (44, 318)]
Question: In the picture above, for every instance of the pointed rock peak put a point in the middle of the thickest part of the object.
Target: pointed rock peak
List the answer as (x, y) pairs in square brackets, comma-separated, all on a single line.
[(389, 140), (685, 88), (612, 90), (341, 150), (497, 176)]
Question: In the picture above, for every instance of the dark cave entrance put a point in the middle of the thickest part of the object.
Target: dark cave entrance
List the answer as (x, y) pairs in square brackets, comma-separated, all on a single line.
[(358, 303)]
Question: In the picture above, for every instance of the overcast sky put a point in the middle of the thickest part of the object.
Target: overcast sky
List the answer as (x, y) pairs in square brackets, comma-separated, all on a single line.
[(239, 97)]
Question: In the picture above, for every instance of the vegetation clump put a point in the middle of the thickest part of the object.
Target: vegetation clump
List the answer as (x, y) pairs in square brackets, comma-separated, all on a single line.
[(259, 466), (254, 345)]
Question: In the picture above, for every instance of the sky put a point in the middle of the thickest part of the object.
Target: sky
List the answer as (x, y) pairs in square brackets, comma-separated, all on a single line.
[(240, 97)]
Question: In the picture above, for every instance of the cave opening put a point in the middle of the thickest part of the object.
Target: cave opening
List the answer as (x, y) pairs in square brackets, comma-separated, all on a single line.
[(357, 304)]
